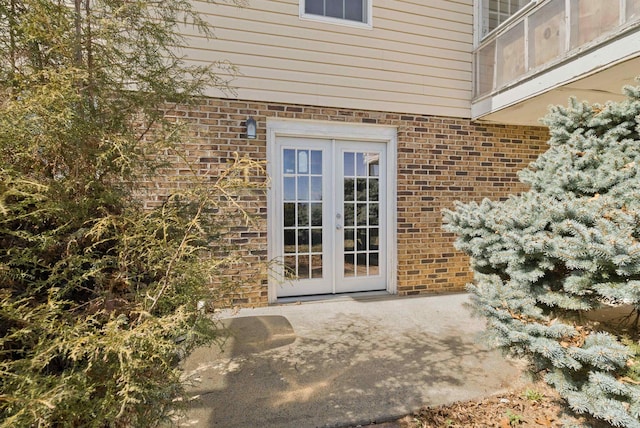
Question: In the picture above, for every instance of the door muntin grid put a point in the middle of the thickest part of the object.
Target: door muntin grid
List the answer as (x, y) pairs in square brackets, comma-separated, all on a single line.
[(361, 243), (302, 213)]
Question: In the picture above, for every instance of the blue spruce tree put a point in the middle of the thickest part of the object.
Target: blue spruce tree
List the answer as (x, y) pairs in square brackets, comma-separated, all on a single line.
[(544, 259)]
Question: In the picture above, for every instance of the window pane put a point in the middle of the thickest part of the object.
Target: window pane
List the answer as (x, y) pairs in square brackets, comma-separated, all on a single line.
[(334, 8), (314, 6), (354, 10)]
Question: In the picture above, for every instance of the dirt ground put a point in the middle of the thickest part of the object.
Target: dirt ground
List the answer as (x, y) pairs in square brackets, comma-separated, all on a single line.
[(535, 405)]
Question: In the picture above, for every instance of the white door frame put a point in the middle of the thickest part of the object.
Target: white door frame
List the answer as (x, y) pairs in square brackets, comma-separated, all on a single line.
[(333, 131)]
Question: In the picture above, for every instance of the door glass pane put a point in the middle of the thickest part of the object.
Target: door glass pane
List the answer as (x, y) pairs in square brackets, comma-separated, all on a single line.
[(316, 188), (289, 214), (349, 162), (361, 166), (303, 161), (361, 264), (303, 241), (289, 161), (349, 216), (303, 266), (361, 216), (316, 162), (374, 268), (290, 241), (362, 239), (303, 215), (361, 189), (374, 242), (373, 190), (349, 267), (290, 270), (289, 189), (349, 243), (348, 189), (316, 214), (374, 165), (373, 215), (303, 188), (316, 240), (316, 266)]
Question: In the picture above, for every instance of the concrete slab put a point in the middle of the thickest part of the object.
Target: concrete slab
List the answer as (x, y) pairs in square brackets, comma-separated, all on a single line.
[(343, 362)]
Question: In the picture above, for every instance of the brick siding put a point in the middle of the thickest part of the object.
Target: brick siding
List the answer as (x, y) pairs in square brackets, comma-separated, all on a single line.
[(439, 160)]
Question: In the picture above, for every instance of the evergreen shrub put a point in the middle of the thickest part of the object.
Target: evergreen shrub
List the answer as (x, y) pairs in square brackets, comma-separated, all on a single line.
[(99, 296), (546, 260)]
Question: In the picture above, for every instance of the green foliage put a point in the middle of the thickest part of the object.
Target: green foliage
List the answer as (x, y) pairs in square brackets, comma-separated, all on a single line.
[(533, 395), (514, 418), (545, 259), (99, 296)]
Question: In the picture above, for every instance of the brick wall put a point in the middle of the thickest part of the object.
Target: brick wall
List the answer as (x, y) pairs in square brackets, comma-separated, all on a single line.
[(439, 160)]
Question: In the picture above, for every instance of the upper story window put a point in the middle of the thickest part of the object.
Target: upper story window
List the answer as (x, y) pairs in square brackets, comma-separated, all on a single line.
[(348, 12), (495, 12)]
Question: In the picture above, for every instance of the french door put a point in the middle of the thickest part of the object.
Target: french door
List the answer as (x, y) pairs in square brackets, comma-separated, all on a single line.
[(330, 208)]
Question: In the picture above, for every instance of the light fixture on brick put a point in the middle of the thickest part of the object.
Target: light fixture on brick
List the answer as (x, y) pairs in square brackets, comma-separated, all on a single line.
[(251, 128)]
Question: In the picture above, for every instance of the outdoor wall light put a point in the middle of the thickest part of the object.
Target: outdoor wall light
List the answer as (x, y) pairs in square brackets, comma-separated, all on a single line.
[(251, 128)]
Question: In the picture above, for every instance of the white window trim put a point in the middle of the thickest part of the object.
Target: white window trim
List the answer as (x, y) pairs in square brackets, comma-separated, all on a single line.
[(337, 21), (339, 131)]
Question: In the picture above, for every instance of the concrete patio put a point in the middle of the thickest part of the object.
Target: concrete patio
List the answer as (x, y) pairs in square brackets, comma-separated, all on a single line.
[(343, 362)]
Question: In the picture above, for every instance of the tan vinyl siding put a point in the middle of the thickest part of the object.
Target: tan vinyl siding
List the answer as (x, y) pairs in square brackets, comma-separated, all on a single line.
[(415, 59)]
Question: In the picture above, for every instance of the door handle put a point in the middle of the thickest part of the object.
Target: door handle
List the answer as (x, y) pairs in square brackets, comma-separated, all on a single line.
[(338, 226)]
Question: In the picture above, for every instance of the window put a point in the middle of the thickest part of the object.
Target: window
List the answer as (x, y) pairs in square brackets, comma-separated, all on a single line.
[(337, 11), (495, 12)]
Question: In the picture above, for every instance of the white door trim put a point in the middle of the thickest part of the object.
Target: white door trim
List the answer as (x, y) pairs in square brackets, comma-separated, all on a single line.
[(338, 131)]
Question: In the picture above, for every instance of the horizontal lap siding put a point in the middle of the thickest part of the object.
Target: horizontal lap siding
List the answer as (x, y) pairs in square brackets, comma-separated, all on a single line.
[(416, 59)]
